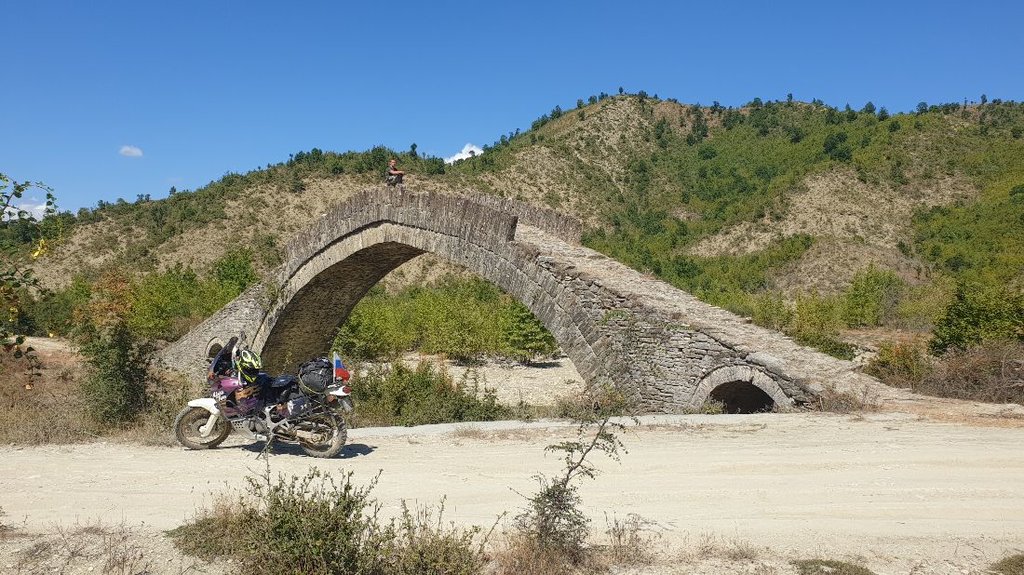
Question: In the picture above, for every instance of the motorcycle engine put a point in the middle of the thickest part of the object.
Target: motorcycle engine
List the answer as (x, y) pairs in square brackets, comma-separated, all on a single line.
[(255, 426)]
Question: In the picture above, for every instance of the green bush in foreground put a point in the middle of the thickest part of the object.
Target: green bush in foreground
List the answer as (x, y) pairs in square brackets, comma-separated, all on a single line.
[(319, 525)]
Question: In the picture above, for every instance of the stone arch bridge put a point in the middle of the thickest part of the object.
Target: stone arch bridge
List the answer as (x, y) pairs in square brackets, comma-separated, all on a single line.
[(666, 350)]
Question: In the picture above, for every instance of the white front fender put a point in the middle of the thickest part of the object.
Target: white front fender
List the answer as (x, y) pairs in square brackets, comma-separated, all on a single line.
[(207, 403)]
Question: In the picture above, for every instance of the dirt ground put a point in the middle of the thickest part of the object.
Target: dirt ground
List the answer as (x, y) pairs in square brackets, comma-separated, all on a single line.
[(923, 486), (894, 492)]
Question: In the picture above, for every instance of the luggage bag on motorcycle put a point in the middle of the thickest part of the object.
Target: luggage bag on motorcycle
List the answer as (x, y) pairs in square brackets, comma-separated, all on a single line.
[(315, 375)]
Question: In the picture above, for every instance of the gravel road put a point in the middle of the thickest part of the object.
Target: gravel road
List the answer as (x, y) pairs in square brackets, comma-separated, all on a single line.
[(895, 491)]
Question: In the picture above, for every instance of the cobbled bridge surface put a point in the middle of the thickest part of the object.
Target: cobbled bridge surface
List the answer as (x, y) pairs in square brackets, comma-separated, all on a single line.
[(664, 349)]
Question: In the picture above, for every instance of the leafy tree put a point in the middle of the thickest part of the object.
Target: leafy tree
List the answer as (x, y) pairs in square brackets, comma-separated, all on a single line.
[(835, 147), (883, 114), (868, 108), (525, 336), (871, 297), (978, 313), (922, 107), (116, 392), (28, 243)]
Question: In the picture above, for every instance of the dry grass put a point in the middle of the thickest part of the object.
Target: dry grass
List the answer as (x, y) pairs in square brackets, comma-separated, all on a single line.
[(834, 400), (992, 372), (47, 408), (85, 548), (633, 540), (733, 550), (43, 409), (829, 567)]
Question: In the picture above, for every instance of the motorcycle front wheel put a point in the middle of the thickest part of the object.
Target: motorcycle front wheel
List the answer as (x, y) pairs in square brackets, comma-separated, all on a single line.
[(329, 435), (188, 422)]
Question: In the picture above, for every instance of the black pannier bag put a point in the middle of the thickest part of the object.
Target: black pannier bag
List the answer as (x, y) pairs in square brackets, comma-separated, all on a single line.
[(315, 375)]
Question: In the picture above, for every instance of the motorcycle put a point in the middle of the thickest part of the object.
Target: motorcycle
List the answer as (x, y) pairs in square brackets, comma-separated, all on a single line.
[(307, 410)]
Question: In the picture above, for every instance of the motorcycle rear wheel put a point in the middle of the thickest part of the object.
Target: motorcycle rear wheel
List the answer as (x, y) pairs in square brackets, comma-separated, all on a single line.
[(334, 432), (188, 422)]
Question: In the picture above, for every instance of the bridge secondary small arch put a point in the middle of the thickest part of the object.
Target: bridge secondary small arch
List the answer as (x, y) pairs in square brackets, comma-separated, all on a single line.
[(742, 397), (742, 389), (213, 348)]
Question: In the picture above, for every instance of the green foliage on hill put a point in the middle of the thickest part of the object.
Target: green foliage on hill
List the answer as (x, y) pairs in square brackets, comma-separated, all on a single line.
[(159, 305), (654, 178), (693, 172)]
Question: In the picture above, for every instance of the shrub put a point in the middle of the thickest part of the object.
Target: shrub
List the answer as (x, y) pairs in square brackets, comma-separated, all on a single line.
[(992, 371), (552, 524), (234, 270), (816, 323), (900, 365), (978, 313), (525, 338), (872, 297), (399, 395), (115, 391), (771, 311), (829, 567), (317, 525), (455, 318), (553, 521)]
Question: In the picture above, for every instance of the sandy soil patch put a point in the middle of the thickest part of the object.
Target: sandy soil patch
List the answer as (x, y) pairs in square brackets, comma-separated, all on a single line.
[(899, 492)]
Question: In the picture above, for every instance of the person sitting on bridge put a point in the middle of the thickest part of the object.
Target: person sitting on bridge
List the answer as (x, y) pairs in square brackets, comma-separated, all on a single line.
[(393, 177)]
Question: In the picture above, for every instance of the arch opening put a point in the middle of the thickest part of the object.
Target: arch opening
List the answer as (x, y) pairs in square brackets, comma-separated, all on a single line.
[(742, 397)]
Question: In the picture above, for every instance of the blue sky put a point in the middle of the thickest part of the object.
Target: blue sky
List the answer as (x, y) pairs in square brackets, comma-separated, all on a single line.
[(108, 99)]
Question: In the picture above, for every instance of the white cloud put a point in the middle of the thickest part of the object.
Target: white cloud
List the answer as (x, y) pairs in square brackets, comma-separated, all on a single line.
[(131, 151), (468, 151), (32, 206)]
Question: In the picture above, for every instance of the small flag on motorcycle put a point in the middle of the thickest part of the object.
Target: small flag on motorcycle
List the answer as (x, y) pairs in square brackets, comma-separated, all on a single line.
[(339, 369)]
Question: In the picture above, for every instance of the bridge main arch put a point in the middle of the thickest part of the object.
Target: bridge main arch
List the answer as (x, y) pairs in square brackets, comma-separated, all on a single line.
[(346, 253), (666, 350)]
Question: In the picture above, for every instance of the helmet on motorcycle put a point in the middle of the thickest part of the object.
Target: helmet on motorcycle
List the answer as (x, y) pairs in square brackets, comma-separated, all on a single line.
[(249, 365)]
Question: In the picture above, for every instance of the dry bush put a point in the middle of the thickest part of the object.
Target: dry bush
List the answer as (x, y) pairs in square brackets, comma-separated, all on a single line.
[(901, 364), (834, 400), (632, 540), (829, 567), (1012, 565), (991, 372), (42, 409), (519, 554), (735, 550)]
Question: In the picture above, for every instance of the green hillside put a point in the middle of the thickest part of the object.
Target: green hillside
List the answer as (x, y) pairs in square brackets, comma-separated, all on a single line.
[(808, 218)]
